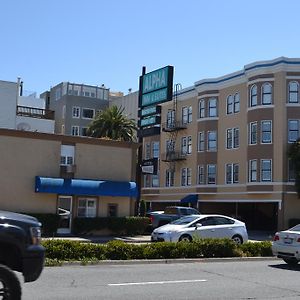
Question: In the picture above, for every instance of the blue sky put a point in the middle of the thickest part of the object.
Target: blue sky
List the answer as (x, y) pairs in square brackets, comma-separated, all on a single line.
[(108, 41)]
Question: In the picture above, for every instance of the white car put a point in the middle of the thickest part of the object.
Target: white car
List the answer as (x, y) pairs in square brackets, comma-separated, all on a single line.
[(201, 226), (286, 245)]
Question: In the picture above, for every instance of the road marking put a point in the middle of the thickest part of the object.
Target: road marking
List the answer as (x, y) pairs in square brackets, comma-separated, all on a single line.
[(156, 282)]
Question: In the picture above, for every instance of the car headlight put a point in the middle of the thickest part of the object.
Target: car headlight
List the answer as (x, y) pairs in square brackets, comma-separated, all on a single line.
[(35, 235)]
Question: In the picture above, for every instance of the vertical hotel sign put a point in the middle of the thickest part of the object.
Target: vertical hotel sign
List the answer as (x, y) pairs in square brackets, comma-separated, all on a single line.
[(156, 87)]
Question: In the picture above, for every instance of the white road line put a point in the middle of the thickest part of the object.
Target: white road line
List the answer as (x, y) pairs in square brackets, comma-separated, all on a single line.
[(156, 282)]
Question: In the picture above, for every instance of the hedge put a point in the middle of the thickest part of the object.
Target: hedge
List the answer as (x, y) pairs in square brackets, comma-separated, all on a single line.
[(64, 250), (117, 225), (49, 223)]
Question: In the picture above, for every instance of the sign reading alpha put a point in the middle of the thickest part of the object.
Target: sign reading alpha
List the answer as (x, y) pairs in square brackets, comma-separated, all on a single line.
[(156, 87)]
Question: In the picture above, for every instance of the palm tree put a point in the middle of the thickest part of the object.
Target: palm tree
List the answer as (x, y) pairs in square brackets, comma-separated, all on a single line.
[(112, 124)]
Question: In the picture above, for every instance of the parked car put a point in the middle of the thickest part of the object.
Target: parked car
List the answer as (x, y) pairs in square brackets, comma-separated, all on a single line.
[(171, 213), (201, 226), (286, 245)]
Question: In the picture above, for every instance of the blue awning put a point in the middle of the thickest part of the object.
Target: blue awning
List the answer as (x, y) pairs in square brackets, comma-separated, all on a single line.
[(85, 187), (192, 198)]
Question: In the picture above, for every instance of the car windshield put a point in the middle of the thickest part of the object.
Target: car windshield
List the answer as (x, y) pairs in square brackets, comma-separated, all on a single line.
[(185, 220), (295, 228)]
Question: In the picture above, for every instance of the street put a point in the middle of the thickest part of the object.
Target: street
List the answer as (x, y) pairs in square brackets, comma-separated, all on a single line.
[(229, 279)]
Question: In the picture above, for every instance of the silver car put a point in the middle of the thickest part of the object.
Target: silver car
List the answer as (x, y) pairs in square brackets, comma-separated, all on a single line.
[(201, 226), (286, 245)]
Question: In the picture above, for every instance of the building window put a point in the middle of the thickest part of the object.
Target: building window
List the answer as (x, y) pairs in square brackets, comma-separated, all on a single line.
[(266, 94), (112, 210), (293, 92), (201, 179), (184, 145), (229, 139), (236, 106), (186, 176), (170, 119), (253, 133), (155, 180), (86, 207), (201, 108), (229, 105), (232, 138), (170, 178), (63, 129), (66, 160), (253, 95), (212, 107), (189, 176), (253, 170), (266, 132), (201, 141), (88, 113), (266, 170), (57, 94), (291, 170), (232, 173), (75, 130), (211, 174), (186, 115), (63, 111), (84, 131), (155, 149), (76, 112), (189, 145), (183, 176), (212, 141), (293, 130), (170, 146), (147, 151)]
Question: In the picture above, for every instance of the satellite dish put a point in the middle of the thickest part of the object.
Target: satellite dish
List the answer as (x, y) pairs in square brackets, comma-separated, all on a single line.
[(23, 126)]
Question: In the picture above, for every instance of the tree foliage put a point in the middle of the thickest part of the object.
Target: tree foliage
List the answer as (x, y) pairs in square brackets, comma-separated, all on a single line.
[(294, 155), (112, 124)]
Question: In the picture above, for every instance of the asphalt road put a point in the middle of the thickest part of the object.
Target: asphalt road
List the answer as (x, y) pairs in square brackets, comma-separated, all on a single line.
[(231, 279)]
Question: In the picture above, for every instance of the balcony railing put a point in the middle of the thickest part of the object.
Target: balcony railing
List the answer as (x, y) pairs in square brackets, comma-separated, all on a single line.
[(33, 112), (173, 156), (173, 126)]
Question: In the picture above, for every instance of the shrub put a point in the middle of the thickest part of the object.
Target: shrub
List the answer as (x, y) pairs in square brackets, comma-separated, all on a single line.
[(49, 223), (257, 249)]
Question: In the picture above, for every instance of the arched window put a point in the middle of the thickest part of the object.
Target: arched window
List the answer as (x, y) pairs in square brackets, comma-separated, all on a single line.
[(266, 94), (293, 92), (253, 95)]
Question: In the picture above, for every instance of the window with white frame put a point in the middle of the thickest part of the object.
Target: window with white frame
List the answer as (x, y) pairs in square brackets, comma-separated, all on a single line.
[(232, 173), (266, 169), (170, 118), (232, 138), (75, 130), (266, 132), (189, 176), (291, 170), (201, 107), (86, 207), (201, 138), (84, 131), (253, 133), (293, 130), (76, 112), (201, 178), (155, 149), (155, 180), (189, 144), (293, 92), (212, 141), (190, 114), (211, 174), (186, 115), (147, 151), (62, 129), (88, 113), (184, 145), (252, 170), (236, 104), (212, 107), (63, 111), (170, 174), (253, 96), (186, 176), (229, 105), (266, 94)]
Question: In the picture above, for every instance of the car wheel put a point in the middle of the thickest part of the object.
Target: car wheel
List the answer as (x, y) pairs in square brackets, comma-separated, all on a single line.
[(237, 239), (185, 238), (10, 287), (291, 261)]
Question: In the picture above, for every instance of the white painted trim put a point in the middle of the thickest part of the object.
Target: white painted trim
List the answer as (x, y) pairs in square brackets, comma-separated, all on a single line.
[(208, 96), (260, 107), (292, 77), (260, 80), (208, 119)]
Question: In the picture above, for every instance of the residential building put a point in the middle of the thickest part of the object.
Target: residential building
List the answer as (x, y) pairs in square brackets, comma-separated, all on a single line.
[(75, 106), (71, 176), (226, 141)]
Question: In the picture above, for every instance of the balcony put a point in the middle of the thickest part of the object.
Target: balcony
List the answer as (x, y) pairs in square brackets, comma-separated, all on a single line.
[(173, 156), (33, 112), (173, 126), (67, 171)]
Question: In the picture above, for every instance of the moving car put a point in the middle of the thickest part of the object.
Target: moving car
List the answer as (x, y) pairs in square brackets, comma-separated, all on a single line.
[(286, 245), (201, 226)]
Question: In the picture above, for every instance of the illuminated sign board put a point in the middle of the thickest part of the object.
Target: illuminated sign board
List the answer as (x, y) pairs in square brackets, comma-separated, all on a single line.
[(153, 120)]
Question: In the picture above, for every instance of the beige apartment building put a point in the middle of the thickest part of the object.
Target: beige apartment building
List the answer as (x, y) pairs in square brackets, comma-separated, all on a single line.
[(224, 143), (71, 176)]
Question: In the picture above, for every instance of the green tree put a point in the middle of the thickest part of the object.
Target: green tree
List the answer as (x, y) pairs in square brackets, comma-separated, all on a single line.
[(112, 124), (294, 155)]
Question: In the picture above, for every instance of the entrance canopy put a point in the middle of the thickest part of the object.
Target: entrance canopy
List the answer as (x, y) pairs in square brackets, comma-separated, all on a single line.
[(191, 198), (85, 187)]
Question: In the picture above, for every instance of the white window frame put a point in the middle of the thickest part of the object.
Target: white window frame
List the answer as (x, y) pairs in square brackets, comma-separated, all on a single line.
[(184, 147), (201, 109), (155, 149), (200, 175), (212, 107), (89, 109), (231, 173), (252, 170), (214, 177), (236, 103), (264, 94), (189, 144), (90, 212), (170, 175), (76, 112), (229, 105), (263, 171), (290, 140), (253, 96), (251, 133), (83, 129), (210, 141), (201, 141), (184, 115), (293, 92), (269, 141), (75, 130), (147, 151)]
